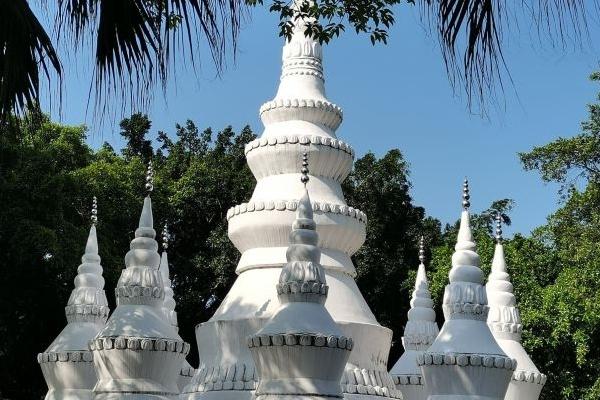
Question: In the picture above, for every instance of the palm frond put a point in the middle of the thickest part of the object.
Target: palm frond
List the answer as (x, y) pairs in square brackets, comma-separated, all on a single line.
[(26, 50), (137, 40), (470, 33)]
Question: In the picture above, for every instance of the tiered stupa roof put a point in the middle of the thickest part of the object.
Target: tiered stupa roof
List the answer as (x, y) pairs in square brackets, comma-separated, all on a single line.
[(138, 354), (67, 363), (505, 322), (186, 371), (299, 119), (465, 362), (419, 333), (301, 352)]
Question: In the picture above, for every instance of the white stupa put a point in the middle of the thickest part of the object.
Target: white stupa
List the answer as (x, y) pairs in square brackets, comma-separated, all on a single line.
[(465, 362), (419, 333), (138, 354), (186, 371), (301, 353), (67, 363), (299, 119), (505, 322)]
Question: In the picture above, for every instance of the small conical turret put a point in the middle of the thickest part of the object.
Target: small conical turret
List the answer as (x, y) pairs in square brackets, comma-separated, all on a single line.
[(301, 352), (465, 362), (169, 302), (420, 331), (67, 363), (186, 371), (138, 354), (505, 322)]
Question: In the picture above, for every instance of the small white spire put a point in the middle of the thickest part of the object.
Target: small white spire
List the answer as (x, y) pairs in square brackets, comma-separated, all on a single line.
[(88, 300), (169, 302), (303, 265), (465, 260), (421, 328)]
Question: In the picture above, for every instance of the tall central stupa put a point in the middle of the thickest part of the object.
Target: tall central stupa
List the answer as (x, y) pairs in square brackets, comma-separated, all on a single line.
[(299, 119)]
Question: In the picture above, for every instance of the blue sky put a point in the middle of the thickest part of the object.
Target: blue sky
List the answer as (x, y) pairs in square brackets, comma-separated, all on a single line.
[(394, 96)]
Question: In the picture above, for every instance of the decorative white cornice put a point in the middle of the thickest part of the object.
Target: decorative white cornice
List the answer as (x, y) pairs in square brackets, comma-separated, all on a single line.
[(297, 339), (299, 139), (311, 110), (139, 343), (292, 205), (65, 356), (463, 360)]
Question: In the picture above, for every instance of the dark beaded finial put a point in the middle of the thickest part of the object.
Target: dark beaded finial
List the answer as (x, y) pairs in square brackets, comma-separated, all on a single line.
[(149, 178), (466, 195), (499, 228), (304, 170), (94, 216), (422, 250)]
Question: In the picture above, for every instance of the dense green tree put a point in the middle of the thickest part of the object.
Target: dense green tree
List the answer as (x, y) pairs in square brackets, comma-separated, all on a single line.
[(381, 188)]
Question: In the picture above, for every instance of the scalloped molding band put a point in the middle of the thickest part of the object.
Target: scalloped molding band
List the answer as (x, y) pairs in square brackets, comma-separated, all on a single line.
[(292, 339), (139, 344), (303, 140), (462, 360), (369, 382), (478, 312), (139, 291), (331, 115), (529, 376), (408, 379), (65, 356), (292, 205)]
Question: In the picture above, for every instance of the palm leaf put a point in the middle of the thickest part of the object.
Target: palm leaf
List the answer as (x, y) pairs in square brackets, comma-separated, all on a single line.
[(137, 40), (25, 52), (470, 34)]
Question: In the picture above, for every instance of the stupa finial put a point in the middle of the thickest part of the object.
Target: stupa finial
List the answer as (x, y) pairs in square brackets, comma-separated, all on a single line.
[(149, 178), (304, 170), (94, 216), (499, 228), (422, 249), (166, 237), (466, 196)]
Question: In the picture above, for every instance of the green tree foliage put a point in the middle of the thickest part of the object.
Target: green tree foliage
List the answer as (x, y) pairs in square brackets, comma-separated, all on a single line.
[(570, 310), (381, 188)]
